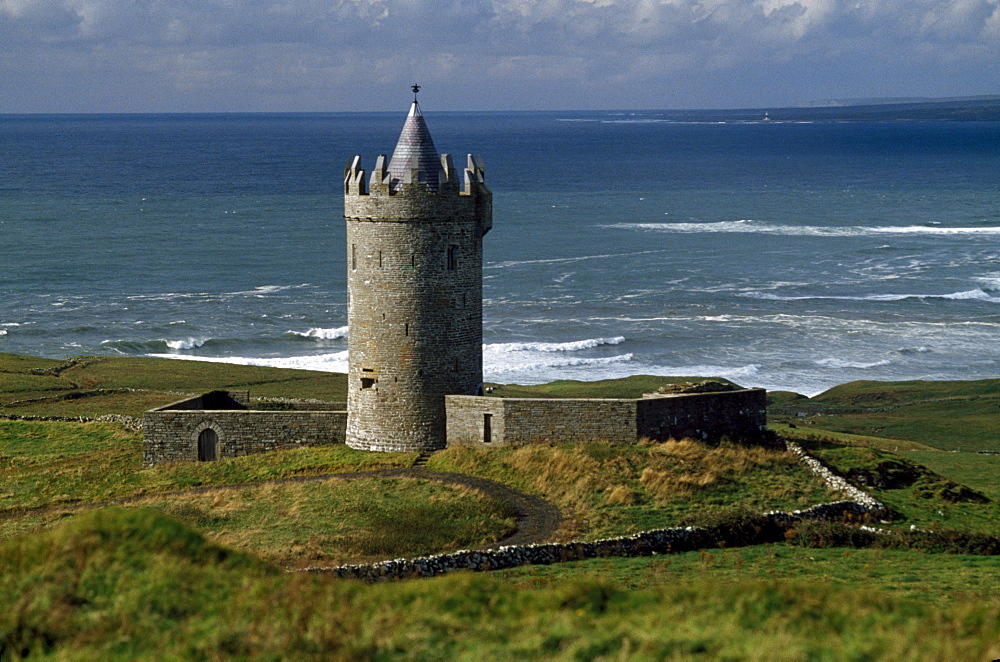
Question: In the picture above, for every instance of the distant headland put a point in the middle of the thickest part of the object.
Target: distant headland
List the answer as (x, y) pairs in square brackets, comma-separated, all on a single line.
[(975, 109)]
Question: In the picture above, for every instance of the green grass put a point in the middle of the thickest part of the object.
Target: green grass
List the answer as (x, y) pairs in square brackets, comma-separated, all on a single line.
[(947, 425), (812, 433), (897, 573), (127, 584), (47, 464), (864, 393), (334, 521), (156, 582), (608, 489), (955, 415), (980, 472), (922, 497), (80, 389)]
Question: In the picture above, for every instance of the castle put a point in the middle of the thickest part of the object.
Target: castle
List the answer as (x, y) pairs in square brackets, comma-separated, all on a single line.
[(414, 291), (415, 232)]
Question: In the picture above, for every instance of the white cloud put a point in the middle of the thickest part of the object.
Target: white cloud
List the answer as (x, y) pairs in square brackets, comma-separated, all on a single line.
[(601, 48)]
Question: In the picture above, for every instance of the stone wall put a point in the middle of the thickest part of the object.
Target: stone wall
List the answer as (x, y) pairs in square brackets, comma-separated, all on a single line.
[(766, 528), (739, 415), (170, 434)]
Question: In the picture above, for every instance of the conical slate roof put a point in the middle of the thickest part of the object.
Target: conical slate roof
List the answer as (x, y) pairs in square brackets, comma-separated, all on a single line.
[(415, 149)]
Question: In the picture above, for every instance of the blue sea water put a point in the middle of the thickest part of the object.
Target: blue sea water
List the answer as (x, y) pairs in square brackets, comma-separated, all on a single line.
[(786, 255)]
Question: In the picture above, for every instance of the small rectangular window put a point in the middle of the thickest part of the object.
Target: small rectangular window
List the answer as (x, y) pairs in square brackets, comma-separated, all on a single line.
[(487, 428), (367, 378), (354, 257), (380, 259), (452, 257)]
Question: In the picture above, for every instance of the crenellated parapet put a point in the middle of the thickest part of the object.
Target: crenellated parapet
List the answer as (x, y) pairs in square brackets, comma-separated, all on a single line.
[(386, 195)]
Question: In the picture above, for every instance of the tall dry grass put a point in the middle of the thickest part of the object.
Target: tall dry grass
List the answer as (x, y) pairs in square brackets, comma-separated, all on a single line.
[(609, 489)]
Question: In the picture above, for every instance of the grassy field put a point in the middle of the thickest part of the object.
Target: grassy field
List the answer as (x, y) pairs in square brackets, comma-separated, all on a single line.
[(607, 489), (980, 472), (813, 433), (127, 584), (197, 575), (959, 415), (342, 521), (92, 386), (897, 573), (921, 497), (49, 464)]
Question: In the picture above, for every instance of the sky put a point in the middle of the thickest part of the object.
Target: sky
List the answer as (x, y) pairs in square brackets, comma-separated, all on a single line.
[(362, 55)]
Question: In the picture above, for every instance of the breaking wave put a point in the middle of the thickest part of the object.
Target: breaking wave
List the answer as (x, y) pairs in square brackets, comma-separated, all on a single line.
[(542, 357), (747, 226), (148, 346), (334, 362), (493, 367), (321, 334), (842, 363), (572, 346), (967, 295)]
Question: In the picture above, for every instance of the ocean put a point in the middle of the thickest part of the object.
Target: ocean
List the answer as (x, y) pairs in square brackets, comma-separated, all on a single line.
[(790, 255)]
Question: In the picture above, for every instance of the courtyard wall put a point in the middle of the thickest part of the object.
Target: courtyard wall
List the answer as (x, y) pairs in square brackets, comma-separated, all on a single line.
[(170, 433), (738, 415)]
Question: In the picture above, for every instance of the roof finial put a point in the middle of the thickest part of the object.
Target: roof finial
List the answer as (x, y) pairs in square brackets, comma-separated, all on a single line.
[(415, 88)]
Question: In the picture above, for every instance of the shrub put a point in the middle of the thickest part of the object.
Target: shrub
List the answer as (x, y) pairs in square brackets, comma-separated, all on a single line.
[(824, 534)]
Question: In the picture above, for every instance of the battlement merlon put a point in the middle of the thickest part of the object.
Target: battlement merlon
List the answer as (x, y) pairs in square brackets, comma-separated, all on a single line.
[(384, 196), (473, 178), (354, 178)]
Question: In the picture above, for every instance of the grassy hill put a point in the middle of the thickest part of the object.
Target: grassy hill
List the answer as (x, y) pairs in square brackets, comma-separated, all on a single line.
[(92, 386), (947, 415), (126, 584), (187, 564)]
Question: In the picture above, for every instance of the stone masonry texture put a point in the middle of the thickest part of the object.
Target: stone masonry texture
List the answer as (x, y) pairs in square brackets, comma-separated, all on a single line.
[(414, 274), (737, 415), (170, 434)]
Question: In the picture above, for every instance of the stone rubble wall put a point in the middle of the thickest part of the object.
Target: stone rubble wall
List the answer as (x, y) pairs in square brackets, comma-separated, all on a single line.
[(130, 422), (834, 482), (769, 528)]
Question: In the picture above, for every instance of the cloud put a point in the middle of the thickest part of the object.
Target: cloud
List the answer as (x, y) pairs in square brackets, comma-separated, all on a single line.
[(298, 54)]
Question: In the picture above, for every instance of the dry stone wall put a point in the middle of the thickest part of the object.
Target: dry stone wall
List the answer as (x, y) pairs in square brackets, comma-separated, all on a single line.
[(769, 527)]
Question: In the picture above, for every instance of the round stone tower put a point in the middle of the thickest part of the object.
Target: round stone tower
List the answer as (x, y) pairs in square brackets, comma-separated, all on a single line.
[(414, 287)]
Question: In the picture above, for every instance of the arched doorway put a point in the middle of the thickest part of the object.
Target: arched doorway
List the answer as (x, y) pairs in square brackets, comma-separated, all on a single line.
[(208, 445)]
